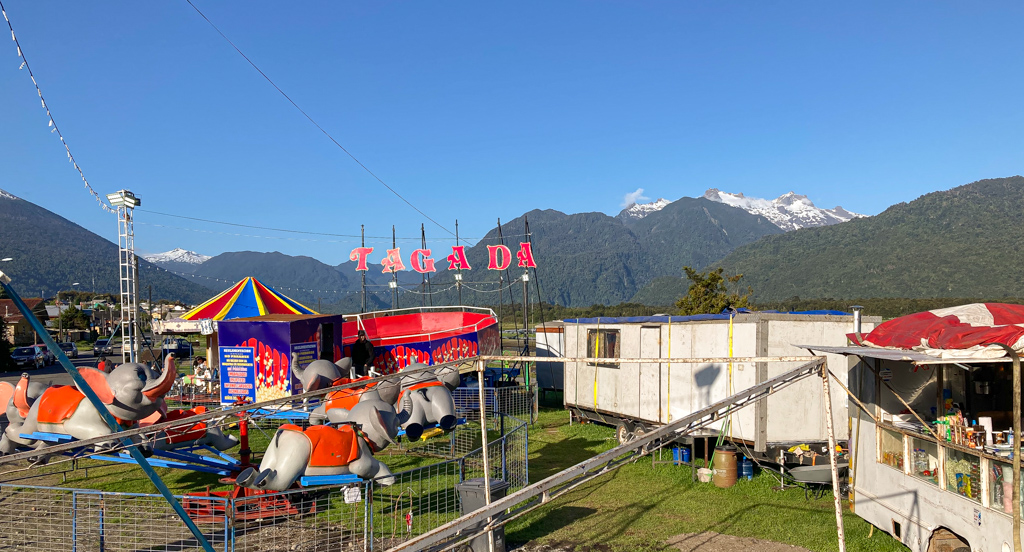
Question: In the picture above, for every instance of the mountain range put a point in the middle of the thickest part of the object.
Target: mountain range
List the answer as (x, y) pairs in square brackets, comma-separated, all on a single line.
[(50, 253), (786, 247)]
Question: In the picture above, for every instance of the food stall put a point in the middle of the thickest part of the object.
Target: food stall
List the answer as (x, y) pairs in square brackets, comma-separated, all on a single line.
[(932, 436)]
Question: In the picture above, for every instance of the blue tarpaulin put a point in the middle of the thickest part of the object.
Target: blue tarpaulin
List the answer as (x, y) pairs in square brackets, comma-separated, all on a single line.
[(690, 318)]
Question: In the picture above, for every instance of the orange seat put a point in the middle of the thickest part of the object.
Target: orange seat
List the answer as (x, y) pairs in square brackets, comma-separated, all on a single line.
[(58, 404), (332, 447)]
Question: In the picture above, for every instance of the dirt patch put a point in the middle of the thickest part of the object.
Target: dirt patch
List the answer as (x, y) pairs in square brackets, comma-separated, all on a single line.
[(715, 542), (558, 546)]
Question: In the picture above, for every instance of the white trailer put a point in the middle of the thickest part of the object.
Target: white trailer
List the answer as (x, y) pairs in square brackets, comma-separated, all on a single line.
[(927, 492), (636, 397)]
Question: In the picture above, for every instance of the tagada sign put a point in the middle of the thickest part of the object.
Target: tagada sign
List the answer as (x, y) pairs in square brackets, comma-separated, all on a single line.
[(206, 326), (499, 258)]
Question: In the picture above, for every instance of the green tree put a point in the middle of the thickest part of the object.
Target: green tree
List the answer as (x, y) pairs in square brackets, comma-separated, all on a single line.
[(709, 292), (5, 348), (74, 319)]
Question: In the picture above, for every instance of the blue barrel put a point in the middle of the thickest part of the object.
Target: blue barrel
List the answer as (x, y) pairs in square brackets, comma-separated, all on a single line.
[(686, 456), (747, 469)]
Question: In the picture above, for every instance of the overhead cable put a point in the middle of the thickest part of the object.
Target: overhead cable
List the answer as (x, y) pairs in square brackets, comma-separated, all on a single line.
[(317, 125), (52, 124)]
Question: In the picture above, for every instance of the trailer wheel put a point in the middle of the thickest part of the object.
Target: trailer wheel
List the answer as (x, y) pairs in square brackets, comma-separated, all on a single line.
[(624, 432)]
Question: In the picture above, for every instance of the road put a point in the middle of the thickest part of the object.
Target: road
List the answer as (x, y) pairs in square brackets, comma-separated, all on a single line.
[(53, 375)]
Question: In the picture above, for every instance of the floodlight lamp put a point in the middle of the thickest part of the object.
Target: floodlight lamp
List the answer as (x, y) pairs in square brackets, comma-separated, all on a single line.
[(124, 198), (392, 284), (5, 259), (458, 276), (526, 276)]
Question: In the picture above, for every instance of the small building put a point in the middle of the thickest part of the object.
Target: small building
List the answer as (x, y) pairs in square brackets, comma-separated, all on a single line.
[(17, 328), (637, 396)]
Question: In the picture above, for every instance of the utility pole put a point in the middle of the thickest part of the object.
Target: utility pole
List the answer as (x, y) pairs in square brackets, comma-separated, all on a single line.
[(458, 275), (362, 233), (426, 275), (394, 273)]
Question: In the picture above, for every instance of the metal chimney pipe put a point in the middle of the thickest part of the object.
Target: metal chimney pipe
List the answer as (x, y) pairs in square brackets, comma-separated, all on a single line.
[(856, 317)]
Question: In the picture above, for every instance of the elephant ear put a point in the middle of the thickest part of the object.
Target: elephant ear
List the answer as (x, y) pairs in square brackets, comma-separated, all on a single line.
[(375, 425), (6, 393), (98, 382)]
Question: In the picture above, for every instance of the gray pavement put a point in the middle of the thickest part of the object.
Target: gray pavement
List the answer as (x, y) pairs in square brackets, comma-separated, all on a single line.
[(54, 375)]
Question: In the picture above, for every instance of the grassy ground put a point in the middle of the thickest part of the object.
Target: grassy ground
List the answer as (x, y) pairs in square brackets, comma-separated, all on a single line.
[(638, 507)]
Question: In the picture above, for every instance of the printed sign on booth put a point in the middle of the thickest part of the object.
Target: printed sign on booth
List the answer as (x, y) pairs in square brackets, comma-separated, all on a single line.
[(237, 374)]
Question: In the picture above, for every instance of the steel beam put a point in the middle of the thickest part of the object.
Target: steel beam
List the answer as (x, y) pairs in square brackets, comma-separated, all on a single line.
[(543, 491)]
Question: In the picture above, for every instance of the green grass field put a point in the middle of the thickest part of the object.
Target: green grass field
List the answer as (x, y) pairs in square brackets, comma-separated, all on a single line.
[(639, 507)]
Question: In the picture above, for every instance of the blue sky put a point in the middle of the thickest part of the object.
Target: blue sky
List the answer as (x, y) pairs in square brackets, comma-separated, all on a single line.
[(478, 111)]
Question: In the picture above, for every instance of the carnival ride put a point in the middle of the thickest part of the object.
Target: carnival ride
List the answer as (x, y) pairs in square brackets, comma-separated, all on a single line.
[(325, 439)]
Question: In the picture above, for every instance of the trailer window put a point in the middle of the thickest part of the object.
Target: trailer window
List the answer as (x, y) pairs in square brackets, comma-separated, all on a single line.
[(603, 344)]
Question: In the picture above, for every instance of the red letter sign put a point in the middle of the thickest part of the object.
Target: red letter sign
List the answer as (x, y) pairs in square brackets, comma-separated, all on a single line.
[(525, 256), (360, 254), (419, 264), (457, 260), (506, 257), (393, 262)]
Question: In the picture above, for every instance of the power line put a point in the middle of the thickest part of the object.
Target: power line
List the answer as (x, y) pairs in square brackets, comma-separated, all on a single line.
[(287, 230), (317, 125), (52, 124)]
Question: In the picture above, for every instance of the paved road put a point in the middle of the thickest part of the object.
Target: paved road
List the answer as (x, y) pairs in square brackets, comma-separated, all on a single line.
[(54, 375)]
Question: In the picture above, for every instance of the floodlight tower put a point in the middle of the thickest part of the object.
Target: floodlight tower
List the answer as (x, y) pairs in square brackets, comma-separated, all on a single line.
[(125, 202)]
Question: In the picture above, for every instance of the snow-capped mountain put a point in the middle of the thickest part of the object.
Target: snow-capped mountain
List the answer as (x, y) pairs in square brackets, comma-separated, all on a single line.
[(177, 255), (637, 211), (7, 195), (789, 211)]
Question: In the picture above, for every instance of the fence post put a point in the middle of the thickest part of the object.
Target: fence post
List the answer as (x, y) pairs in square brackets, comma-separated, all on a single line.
[(483, 437), (74, 521), (368, 517)]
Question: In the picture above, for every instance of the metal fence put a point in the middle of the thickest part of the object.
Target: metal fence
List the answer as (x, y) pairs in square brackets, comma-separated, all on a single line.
[(362, 516)]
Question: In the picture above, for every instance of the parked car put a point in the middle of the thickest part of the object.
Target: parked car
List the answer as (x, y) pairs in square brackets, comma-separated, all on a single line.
[(35, 356), (179, 347), (102, 347), (70, 350)]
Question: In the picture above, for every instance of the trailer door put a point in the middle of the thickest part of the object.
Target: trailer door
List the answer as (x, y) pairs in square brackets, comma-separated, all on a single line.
[(650, 374)]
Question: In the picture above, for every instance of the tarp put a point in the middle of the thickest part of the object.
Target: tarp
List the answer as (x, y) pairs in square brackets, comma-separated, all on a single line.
[(245, 299), (966, 331), (690, 318)]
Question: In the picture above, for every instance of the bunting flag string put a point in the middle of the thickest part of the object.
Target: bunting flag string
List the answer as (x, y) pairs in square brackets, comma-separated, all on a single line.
[(384, 292), (52, 124)]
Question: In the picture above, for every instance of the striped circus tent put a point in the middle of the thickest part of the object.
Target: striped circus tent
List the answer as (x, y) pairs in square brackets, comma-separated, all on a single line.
[(245, 299)]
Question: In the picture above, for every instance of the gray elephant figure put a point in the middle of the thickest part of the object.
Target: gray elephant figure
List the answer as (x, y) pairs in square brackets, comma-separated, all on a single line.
[(131, 392), (327, 450), (18, 400), (191, 435), (426, 399), (320, 374)]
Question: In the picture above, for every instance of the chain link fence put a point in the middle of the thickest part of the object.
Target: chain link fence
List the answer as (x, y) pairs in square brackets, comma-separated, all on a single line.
[(355, 517)]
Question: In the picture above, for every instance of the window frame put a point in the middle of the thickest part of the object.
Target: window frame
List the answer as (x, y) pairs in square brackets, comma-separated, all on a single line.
[(593, 348)]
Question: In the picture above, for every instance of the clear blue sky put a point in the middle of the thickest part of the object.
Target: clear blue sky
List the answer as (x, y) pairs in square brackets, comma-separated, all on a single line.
[(477, 111)]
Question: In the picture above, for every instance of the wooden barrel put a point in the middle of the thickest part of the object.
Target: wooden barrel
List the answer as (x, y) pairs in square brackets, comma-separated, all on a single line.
[(724, 466)]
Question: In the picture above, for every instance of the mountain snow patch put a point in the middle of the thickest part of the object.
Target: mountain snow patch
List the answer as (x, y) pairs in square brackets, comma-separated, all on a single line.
[(640, 210), (178, 255), (7, 195), (789, 211)]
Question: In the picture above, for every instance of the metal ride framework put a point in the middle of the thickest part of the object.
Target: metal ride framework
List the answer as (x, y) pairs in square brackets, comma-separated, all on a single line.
[(498, 513), (128, 272)]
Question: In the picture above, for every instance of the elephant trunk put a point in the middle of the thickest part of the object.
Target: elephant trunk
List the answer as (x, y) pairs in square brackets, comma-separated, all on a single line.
[(21, 395), (160, 387), (298, 371)]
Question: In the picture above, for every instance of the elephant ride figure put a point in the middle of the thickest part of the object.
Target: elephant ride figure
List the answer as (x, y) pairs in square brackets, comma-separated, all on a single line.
[(193, 435), (131, 392), (326, 450), (17, 401), (425, 399)]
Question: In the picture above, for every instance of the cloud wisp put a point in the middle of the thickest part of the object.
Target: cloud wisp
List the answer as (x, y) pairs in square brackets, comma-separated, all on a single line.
[(633, 197)]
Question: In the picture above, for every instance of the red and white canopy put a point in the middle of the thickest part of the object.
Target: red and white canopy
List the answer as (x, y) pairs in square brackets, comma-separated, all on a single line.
[(964, 331)]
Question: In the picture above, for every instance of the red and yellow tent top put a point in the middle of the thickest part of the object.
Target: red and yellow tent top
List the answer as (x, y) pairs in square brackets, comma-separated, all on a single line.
[(246, 299)]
